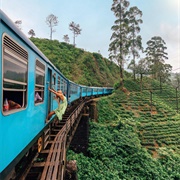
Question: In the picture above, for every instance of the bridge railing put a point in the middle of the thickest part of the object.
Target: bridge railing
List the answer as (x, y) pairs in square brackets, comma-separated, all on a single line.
[(55, 165)]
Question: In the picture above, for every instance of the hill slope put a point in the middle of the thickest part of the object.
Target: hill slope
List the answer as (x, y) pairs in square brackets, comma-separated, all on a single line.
[(136, 137), (137, 134), (78, 65)]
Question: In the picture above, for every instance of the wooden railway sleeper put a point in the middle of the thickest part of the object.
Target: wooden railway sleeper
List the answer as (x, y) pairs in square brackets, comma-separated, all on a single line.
[(54, 160)]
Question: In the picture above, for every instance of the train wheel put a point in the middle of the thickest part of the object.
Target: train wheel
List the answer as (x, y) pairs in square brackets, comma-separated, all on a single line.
[(40, 144)]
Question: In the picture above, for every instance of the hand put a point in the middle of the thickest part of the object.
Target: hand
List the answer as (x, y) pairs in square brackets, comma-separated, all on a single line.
[(51, 89)]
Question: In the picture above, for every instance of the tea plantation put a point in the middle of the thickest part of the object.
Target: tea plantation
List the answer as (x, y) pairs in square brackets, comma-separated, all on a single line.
[(137, 135)]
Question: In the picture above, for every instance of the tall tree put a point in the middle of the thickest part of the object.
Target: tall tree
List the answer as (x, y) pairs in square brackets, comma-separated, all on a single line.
[(52, 21), (118, 47), (31, 33), (134, 19), (18, 24), (66, 38), (75, 28), (165, 72), (156, 54), (176, 80), (142, 68)]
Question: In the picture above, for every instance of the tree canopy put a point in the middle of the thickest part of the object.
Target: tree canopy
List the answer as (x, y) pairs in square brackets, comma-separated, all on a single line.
[(124, 39), (75, 28), (157, 56), (31, 33), (52, 21)]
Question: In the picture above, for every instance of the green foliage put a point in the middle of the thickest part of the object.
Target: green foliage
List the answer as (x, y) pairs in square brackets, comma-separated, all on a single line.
[(117, 85), (131, 85), (128, 135), (116, 153), (78, 65), (128, 141)]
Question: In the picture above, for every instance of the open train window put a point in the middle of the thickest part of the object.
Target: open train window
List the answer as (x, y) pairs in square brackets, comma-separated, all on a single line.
[(65, 87), (84, 90), (54, 79), (15, 66), (59, 83), (39, 82), (74, 89), (62, 84)]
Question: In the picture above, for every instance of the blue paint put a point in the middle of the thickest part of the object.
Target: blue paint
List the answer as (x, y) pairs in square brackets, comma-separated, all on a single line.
[(20, 126)]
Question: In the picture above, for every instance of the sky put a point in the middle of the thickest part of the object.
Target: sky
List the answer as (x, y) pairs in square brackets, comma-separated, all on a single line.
[(160, 18)]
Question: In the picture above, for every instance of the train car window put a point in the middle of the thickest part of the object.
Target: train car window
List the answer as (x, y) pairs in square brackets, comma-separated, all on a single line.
[(84, 90), (15, 67), (62, 84), (71, 88), (39, 82), (74, 89), (65, 87), (59, 83), (54, 79)]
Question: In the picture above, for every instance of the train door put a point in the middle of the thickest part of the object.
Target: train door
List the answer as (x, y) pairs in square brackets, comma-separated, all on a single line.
[(48, 93)]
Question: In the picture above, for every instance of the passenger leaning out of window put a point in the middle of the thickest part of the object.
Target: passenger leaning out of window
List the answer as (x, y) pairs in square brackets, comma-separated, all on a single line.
[(60, 110)]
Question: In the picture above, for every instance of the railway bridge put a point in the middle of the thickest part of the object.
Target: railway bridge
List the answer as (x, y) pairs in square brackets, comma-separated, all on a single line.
[(72, 131)]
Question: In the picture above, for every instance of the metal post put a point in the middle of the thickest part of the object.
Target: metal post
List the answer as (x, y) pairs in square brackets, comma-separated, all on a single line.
[(151, 100)]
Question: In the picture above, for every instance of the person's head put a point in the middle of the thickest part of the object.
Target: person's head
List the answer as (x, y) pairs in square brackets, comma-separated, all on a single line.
[(59, 92)]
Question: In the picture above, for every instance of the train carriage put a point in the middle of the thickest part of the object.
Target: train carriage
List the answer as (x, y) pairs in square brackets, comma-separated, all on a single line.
[(25, 100), (83, 90), (73, 91), (26, 75)]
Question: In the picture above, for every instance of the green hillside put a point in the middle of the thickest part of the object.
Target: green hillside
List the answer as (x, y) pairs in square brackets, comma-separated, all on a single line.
[(78, 65), (136, 136)]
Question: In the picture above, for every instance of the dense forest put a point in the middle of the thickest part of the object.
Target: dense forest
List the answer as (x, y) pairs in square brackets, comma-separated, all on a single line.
[(137, 132)]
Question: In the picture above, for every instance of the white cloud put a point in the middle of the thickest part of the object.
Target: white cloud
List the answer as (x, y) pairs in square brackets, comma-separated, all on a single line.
[(170, 34)]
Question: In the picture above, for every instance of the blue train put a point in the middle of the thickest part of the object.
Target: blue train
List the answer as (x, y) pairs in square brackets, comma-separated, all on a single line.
[(26, 73)]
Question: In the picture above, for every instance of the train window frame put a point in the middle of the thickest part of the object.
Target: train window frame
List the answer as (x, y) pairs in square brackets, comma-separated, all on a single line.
[(73, 88), (84, 90), (65, 87), (59, 83), (54, 79), (39, 87), (14, 80)]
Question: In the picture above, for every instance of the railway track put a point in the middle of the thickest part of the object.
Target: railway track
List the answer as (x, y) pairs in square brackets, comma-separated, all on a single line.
[(49, 163)]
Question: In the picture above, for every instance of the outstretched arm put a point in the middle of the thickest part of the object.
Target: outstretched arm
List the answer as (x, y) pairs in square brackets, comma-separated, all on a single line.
[(52, 90), (58, 94)]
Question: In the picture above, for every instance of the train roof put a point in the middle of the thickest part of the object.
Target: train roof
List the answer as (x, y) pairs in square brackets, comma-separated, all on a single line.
[(97, 87), (11, 24)]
